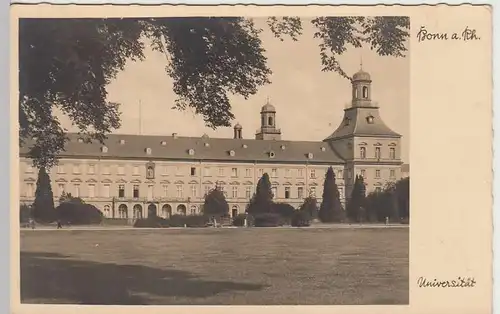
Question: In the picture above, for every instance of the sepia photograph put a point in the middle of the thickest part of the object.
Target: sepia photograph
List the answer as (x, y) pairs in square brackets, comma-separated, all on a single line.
[(214, 160)]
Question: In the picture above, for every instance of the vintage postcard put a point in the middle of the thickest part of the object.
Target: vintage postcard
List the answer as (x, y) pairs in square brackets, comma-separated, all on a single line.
[(175, 156)]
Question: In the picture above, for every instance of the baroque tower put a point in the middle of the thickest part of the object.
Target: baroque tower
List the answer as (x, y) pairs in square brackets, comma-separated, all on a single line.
[(268, 130), (371, 149)]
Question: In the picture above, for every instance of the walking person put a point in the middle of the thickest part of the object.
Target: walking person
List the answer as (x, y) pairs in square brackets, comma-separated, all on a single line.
[(59, 225)]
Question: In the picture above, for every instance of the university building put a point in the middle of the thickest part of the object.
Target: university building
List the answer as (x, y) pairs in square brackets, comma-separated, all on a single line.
[(131, 176)]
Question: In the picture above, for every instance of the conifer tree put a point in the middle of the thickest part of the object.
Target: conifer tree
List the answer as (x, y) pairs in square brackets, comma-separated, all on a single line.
[(43, 207), (262, 200), (331, 208), (355, 206), (215, 203)]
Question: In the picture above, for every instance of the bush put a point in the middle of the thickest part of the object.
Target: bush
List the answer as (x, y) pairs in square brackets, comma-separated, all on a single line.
[(78, 214), (151, 222), (286, 211), (25, 213), (194, 221), (301, 218), (268, 220), (239, 220)]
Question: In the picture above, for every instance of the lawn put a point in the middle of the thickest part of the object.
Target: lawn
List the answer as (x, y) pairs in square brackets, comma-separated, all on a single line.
[(253, 266)]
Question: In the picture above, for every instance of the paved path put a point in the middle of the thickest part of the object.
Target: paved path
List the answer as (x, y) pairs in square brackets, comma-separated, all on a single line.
[(315, 226)]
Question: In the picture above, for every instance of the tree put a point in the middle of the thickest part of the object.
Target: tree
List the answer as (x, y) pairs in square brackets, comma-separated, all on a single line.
[(215, 203), (392, 202), (356, 204), (310, 206), (331, 208), (262, 200), (43, 207), (66, 64), (403, 196)]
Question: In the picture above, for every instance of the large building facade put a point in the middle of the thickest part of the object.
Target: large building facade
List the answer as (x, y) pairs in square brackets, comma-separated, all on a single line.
[(132, 176)]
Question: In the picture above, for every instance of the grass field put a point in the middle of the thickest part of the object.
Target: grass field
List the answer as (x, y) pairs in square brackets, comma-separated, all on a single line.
[(253, 266)]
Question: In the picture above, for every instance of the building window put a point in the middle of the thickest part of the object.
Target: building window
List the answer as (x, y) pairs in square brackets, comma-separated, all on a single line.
[(221, 172), (207, 172), (30, 191), (300, 173), (365, 92), (377, 173), (165, 190), (261, 172), (300, 192), (178, 171), (287, 173), (193, 171), (392, 173), (91, 190), (312, 192), (340, 174), (377, 152), (234, 172), (287, 192), (363, 173), (235, 192), (207, 189), (151, 192), (341, 192), (312, 174), (223, 190), (135, 171), (392, 153), (105, 170), (165, 171), (91, 169), (274, 172), (194, 191), (121, 190), (61, 189), (121, 170), (60, 169), (105, 190), (248, 192), (179, 190), (270, 121), (248, 172), (76, 169), (135, 191), (77, 190), (362, 152), (378, 189), (274, 189)]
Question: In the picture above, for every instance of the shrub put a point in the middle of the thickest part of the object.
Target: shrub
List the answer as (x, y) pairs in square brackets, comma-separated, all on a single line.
[(25, 213), (194, 221), (239, 220), (151, 222), (268, 220), (301, 218), (286, 211), (78, 214)]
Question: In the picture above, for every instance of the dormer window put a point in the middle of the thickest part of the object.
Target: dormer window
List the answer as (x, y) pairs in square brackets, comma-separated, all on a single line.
[(283, 147), (245, 146), (347, 121), (122, 142), (310, 155), (104, 149), (232, 153), (148, 151), (207, 145), (323, 149), (191, 151), (370, 119), (271, 154), (163, 143)]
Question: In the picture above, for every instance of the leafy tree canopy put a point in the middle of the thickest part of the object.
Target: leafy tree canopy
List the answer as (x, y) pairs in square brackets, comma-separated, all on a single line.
[(67, 64)]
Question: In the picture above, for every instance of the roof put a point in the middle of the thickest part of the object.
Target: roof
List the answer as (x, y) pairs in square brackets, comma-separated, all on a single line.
[(201, 148), (356, 122), (361, 76), (238, 126), (268, 108)]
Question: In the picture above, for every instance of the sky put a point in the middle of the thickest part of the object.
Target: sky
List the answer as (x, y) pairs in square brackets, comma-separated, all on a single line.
[(309, 102)]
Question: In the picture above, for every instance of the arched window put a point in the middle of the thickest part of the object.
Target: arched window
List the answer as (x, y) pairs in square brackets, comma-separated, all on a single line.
[(263, 121), (362, 152), (355, 92), (270, 121), (365, 92)]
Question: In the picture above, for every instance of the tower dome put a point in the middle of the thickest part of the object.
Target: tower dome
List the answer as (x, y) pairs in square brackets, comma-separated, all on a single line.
[(238, 126), (268, 107), (361, 76)]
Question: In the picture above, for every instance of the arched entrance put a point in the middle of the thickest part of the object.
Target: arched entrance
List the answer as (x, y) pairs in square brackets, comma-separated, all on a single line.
[(181, 209), (107, 211), (193, 209), (137, 211), (166, 211), (123, 211), (152, 210), (234, 211)]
